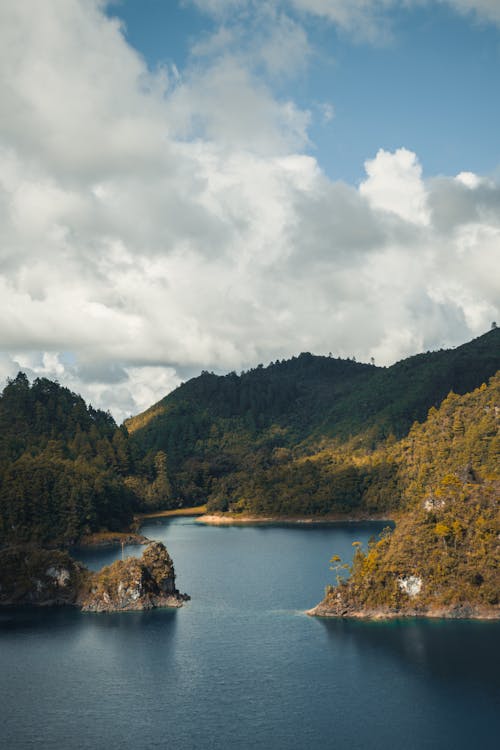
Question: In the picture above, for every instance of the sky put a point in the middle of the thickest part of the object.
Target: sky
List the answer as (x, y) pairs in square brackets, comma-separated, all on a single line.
[(192, 185)]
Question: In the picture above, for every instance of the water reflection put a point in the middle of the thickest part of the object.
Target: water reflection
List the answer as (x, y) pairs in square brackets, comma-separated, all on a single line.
[(433, 648), (236, 668), (97, 557), (50, 619)]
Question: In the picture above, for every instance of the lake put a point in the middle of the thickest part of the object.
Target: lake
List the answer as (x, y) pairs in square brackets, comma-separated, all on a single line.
[(241, 666)]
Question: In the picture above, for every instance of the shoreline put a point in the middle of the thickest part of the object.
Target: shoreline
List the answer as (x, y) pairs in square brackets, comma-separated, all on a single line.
[(111, 539), (439, 613), (215, 519), (196, 510)]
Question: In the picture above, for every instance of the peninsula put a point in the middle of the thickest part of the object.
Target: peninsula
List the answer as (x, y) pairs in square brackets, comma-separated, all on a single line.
[(443, 558)]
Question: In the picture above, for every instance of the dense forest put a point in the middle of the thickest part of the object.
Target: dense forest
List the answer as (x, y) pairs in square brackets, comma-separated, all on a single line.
[(307, 436), (444, 555), (66, 469)]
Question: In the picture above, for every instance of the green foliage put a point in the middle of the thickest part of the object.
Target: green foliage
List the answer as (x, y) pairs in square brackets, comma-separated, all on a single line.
[(447, 537), (32, 575), (307, 436), (62, 465)]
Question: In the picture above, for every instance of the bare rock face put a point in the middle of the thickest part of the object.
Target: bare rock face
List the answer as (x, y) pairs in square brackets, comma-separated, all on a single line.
[(411, 585), (134, 584)]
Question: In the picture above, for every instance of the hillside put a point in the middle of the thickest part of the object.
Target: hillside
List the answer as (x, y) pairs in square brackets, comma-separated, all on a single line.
[(67, 470), (307, 436), (311, 435), (62, 465), (443, 558)]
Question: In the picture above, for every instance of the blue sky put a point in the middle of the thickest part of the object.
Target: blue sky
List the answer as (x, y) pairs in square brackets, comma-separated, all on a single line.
[(192, 185), (430, 82)]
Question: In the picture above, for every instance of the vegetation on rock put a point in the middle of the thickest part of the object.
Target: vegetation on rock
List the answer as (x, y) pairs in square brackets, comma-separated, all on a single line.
[(134, 584), (35, 576), (444, 556)]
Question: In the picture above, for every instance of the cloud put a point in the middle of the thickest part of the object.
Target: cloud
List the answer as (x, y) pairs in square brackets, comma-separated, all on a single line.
[(395, 184), (218, 8), (368, 20), (155, 224), (365, 20), (485, 10), (225, 104), (371, 20), (260, 39)]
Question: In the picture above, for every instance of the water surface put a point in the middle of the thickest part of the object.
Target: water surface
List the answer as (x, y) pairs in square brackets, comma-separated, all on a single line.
[(241, 666)]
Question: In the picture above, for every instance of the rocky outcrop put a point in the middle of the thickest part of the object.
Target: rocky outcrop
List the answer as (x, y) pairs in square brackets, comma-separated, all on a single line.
[(40, 577), (134, 584), (329, 608), (339, 602)]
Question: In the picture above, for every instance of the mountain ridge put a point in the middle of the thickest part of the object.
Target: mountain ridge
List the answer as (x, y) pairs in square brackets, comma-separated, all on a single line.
[(222, 434)]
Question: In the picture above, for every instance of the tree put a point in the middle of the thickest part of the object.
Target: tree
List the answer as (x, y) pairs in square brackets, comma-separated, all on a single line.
[(337, 565)]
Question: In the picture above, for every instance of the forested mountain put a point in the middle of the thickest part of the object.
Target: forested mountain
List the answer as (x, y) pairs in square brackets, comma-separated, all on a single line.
[(307, 436), (311, 435), (444, 555)]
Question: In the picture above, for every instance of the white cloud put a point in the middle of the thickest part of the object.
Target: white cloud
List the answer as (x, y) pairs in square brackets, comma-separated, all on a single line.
[(218, 7), (224, 104), (469, 179), (257, 35), (153, 226), (364, 18), (370, 17), (395, 184), (486, 10)]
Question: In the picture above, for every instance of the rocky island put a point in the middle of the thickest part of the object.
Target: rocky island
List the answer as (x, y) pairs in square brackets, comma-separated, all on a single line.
[(39, 577), (134, 584)]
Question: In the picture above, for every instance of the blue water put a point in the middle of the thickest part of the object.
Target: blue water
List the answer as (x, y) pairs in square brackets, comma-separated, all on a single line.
[(241, 666)]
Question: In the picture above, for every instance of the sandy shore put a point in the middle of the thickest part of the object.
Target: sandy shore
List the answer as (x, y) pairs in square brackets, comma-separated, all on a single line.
[(228, 519), (197, 510)]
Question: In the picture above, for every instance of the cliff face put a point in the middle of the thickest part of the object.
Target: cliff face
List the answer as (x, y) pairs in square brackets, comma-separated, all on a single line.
[(38, 577), (134, 584)]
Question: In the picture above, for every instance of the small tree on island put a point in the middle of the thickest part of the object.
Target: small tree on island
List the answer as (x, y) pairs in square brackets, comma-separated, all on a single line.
[(337, 565)]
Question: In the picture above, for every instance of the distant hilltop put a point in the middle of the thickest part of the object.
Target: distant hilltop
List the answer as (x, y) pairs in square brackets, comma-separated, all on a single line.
[(306, 436)]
